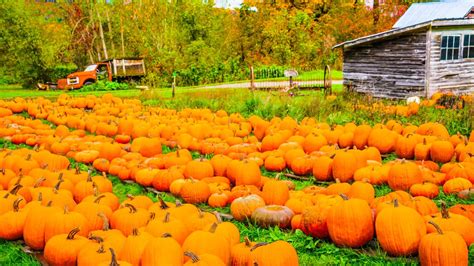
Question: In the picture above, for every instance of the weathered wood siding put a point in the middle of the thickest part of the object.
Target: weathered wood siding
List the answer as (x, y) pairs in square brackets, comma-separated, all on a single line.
[(393, 68), (455, 75)]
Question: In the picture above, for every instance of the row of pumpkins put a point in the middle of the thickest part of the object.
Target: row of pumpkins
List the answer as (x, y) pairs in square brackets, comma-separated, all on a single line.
[(146, 165), (55, 211)]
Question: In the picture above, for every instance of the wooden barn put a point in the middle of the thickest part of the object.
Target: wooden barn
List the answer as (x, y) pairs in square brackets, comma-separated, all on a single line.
[(429, 49)]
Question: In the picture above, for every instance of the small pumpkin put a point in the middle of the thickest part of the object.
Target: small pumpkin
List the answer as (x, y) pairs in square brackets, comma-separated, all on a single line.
[(63, 249), (243, 207)]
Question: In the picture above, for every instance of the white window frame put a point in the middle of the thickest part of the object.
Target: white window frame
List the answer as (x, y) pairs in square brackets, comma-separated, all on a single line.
[(469, 46), (453, 48)]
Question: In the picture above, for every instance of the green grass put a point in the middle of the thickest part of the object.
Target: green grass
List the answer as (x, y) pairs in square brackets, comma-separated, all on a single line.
[(11, 253)]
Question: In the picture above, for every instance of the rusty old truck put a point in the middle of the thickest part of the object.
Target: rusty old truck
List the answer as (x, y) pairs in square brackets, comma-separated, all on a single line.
[(119, 69)]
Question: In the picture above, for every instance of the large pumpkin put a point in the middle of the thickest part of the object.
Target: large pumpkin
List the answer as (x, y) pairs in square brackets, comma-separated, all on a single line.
[(350, 223), (443, 248), (399, 230)]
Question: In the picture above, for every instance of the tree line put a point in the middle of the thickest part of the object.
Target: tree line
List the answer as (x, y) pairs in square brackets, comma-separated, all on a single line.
[(189, 38)]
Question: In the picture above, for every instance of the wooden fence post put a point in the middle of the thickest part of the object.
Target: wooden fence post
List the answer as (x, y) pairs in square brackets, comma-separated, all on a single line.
[(252, 78), (173, 86)]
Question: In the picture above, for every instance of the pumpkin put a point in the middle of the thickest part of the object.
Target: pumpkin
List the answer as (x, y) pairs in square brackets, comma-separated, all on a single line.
[(218, 199), (403, 175), (243, 207), (273, 215), (344, 166), (276, 253), (129, 217), (464, 210), (443, 248), (322, 168), (456, 185), (314, 218), (140, 201), (35, 223), (195, 191), (134, 246), (405, 146), (114, 261), (202, 242), (452, 222), (90, 211), (63, 249), (13, 222), (426, 189), (198, 169), (199, 220), (362, 190), (93, 253), (350, 223), (63, 223), (245, 172), (226, 230), (275, 192), (441, 151), (203, 260), (399, 230), (275, 163), (241, 253)]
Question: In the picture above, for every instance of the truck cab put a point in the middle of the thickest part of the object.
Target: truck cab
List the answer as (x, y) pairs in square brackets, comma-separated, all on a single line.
[(91, 74)]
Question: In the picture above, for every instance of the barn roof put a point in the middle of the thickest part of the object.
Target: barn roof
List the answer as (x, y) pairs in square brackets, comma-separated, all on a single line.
[(424, 12), (399, 31)]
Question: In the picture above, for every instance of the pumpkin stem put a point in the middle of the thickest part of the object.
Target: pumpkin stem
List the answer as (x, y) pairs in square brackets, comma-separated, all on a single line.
[(344, 196), (104, 174), (97, 199), (192, 256), (338, 181), (56, 187), (13, 191), (163, 204), (130, 196), (78, 171), (98, 239), (218, 217), (166, 235), (444, 211), (66, 209), (60, 176), (40, 196), (101, 249), (49, 203), (135, 232), (213, 228), (73, 232), (395, 202), (105, 225), (152, 216), (247, 242), (178, 203), (131, 208), (2, 170), (114, 258), (167, 217), (436, 226), (261, 244), (39, 181), (16, 204)]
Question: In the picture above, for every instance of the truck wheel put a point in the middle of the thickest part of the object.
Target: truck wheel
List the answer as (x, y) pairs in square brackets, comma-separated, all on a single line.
[(88, 83)]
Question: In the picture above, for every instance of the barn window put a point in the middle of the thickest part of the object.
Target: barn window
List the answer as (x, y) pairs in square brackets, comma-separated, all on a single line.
[(468, 46), (450, 47)]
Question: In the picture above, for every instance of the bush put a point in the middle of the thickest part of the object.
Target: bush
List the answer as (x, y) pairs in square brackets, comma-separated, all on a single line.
[(106, 86), (60, 71)]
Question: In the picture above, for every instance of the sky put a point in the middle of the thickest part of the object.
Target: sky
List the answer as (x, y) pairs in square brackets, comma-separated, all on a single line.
[(228, 3)]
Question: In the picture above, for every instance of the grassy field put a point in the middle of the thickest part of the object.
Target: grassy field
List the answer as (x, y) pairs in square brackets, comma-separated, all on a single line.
[(268, 105)]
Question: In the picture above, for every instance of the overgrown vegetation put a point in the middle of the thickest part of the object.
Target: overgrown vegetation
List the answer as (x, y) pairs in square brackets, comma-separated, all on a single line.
[(198, 43), (105, 86)]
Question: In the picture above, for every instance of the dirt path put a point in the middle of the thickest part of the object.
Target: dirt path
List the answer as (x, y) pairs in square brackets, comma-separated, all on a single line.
[(269, 84)]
